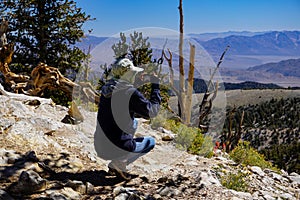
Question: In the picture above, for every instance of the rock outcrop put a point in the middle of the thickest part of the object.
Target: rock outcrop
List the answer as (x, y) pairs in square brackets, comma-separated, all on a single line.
[(44, 158)]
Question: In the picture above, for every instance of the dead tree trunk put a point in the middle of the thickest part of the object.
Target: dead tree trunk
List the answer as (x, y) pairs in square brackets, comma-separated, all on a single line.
[(189, 94), (18, 83), (206, 104), (184, 93), (42, 76), (181, 98), (231, 138)]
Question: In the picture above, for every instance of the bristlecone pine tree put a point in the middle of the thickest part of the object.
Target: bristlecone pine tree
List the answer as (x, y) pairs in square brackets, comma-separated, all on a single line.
[(138, 49), (45, 31)]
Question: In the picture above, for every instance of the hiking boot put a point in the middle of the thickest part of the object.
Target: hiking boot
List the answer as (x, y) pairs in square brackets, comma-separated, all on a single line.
[(118, 169)]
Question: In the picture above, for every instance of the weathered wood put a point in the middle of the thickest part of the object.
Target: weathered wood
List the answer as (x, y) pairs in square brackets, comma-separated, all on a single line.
[(182, 97), (42, 77), (231, 138), (23, 97), (47, 77), (189, 92), (16, 82), (169, 60), (206, 105)]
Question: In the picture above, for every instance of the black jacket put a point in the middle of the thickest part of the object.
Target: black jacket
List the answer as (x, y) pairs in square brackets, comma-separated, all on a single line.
[(119, 103)]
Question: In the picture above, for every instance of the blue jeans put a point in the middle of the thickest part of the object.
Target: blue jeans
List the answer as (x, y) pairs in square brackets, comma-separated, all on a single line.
[(143, 146)]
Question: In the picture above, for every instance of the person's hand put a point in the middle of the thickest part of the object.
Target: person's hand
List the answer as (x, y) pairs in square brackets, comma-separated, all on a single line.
[(154, 78)]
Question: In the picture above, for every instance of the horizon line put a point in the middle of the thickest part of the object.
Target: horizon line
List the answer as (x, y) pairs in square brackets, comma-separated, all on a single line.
[(209, 32)]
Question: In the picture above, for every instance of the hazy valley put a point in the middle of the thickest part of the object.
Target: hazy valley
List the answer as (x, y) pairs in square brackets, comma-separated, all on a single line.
[(267, 57)]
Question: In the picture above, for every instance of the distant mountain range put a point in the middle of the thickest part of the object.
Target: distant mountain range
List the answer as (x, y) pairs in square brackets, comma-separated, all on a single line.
[(248, 51), (284, 73), (247, 48), (267, 57), (210, 36), (289, 67), (270, 43), (280, 43)]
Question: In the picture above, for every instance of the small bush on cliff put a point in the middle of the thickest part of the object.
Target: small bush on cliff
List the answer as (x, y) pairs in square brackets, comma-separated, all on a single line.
[(235, 181), (190, 139), (246, 155)]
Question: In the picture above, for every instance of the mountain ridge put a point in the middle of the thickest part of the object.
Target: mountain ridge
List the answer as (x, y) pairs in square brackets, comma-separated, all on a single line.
[(270, 43), (213, 35), (248, 49), (268, 39), (290, 67)]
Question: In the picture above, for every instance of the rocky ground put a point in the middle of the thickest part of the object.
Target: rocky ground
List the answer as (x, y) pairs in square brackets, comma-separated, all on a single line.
[(44, 158)]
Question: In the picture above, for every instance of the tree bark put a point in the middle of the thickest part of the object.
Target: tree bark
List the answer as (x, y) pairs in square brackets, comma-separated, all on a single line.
[(181, 98), (189, 95)]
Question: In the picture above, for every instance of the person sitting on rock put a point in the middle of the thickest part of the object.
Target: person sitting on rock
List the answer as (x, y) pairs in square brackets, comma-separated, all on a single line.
[(120, 103)]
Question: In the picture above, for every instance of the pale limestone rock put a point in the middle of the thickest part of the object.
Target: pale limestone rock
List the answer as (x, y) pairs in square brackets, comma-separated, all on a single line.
[(294, 177), (287, 196), (257, 170), (78, 186), (122, 196), (207, 179), (70, 193)]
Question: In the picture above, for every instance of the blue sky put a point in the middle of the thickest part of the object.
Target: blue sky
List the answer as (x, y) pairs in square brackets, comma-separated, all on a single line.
[(201, 16)]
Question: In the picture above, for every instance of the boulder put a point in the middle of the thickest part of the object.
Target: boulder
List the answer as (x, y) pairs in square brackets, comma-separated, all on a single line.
[(29, 182)]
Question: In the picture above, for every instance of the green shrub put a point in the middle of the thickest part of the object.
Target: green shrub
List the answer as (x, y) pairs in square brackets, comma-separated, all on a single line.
[(164, 119), (193, 141), (236, 181), (202, 145), (187, 138), (184, 136), (158, 121), (171, 124), (246, 155)]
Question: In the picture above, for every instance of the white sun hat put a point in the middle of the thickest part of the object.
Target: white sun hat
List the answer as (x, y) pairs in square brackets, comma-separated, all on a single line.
[(122, 66)]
